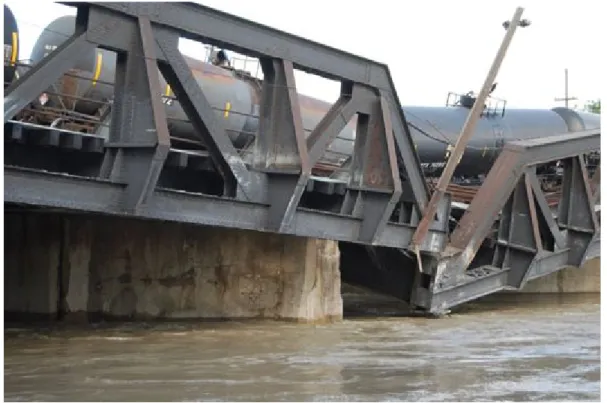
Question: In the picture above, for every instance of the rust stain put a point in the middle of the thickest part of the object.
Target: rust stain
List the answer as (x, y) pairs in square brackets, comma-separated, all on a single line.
[(181, 280)]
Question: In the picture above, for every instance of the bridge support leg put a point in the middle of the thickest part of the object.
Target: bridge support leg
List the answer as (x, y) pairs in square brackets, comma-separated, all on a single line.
[(131, 269)]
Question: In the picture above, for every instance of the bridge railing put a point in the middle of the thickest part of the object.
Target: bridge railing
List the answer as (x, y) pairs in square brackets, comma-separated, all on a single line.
[(530, 238)]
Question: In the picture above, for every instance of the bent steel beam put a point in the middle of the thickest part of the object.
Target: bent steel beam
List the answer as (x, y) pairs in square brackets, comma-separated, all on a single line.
[(530, 240), (504, 175), (595, 184)]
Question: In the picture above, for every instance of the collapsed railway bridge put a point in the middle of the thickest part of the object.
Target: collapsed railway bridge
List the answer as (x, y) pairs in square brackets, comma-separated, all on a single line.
[(128, 169)]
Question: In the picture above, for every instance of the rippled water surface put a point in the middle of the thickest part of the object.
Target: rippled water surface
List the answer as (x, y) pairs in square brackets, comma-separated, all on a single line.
[(545, 349)]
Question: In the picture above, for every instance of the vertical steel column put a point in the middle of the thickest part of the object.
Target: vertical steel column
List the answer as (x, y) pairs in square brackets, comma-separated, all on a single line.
[(280, 146), (576, 209), (139, 137), (375, 185), (548, 225), (595, 185), (518, 238)]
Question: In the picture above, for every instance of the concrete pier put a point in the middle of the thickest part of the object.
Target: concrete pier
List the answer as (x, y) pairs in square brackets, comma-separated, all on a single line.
[(585, 279), (75, 267)]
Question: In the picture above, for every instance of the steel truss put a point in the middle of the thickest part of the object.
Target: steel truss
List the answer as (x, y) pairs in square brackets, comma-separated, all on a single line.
[(381, 202), (145, 37), (531, 240)]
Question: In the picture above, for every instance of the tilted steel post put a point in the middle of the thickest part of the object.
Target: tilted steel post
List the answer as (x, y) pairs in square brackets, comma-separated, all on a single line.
[(466, 133)]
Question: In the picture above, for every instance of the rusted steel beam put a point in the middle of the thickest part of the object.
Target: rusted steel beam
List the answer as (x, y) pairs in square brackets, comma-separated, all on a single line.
[(529, 242), (533, 213), (517, 244), (500, 183), (375, 185), (334, 121), (576, 212), (380, 173), (488, 201), (576, 209), (595, 185), (546, 212), (554, 148), (280, 146), (288, 165)]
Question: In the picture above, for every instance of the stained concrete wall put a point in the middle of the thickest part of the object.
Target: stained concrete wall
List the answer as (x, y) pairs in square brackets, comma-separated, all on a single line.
[(78, 266), (31, 264), (585, 279)]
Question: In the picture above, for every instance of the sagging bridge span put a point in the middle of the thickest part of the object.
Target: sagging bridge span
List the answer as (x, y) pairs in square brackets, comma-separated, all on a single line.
[(508, 235)]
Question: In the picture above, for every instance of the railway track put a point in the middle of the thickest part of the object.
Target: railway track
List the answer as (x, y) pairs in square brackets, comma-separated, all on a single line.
[(465, 194)]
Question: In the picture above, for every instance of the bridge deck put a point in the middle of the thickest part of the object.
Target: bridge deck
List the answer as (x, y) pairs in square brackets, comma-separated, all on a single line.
[(137, 171)]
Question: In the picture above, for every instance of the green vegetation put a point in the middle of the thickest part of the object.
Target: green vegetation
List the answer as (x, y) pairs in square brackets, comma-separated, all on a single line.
[(593, 106)]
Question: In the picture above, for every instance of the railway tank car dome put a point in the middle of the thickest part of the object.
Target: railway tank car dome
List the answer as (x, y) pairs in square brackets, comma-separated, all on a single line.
[(53, 35), (11, 44), (578, 121)]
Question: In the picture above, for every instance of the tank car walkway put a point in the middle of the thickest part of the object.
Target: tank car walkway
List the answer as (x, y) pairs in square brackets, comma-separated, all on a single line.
[(138, 172)]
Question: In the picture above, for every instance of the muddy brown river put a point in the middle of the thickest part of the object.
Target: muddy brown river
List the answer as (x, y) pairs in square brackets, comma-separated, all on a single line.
[(521, 349)]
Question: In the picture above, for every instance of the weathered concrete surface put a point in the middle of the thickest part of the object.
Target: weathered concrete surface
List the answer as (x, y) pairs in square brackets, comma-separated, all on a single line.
[(31, 264), (585, 279), (137, 269)]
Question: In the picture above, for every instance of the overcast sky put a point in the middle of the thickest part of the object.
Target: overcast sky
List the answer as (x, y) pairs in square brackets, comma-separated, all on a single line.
[(431, 46)]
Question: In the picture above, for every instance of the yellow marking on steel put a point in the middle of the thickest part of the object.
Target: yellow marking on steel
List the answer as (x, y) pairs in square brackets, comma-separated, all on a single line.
[(98, 65), (14, 50), (167, 91), (226, 112)]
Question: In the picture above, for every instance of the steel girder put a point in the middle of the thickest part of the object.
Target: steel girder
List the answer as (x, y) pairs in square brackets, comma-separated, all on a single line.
[(385, 174), (25, 186), (531, 240)]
